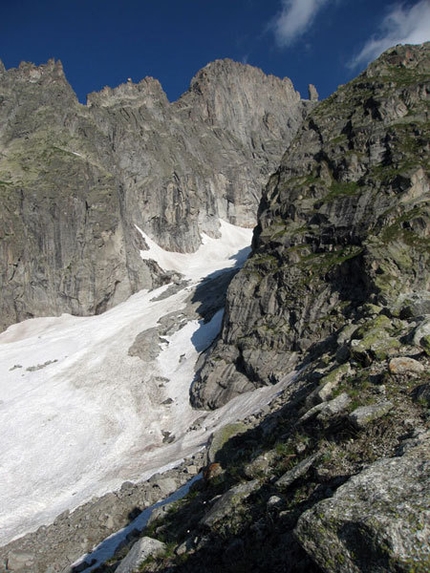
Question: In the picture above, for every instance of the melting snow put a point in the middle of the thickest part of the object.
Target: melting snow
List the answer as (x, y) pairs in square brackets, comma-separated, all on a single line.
[(213, 254), (79, 416)]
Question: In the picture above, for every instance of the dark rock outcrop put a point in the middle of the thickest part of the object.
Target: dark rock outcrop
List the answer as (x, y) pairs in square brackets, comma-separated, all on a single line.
[(76, 180), (344, 221)]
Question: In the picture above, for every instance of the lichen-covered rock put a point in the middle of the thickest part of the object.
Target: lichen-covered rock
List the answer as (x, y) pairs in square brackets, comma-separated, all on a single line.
[(141, 550), (220, 438), (373, 341), (327, 410), (364, 415), (228, 502), (261, 465), (378, 521), (328, 384), (421, 335), (412, 304), (405, 365), (344, 222), (425, 343), (297, 472)]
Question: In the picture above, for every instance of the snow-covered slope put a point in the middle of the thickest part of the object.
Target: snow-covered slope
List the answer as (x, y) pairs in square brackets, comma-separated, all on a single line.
[(78, 415)]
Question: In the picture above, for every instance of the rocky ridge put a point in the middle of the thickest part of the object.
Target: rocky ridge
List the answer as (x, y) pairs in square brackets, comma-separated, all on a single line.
[(76, 181), (343, 222)]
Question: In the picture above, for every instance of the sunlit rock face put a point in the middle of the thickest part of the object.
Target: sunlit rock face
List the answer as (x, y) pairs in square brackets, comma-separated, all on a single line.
[(76, 180), (344, 221)]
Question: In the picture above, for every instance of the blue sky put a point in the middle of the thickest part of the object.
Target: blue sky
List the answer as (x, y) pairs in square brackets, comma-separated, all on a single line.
[(104, 42)]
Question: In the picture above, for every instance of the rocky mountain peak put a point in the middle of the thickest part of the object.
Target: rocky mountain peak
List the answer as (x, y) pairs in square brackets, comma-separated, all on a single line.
[(229, 72), (29, 92), (52, 69), (242, 99), (401, 56), (147, 92), (78, 182), (44, 76)]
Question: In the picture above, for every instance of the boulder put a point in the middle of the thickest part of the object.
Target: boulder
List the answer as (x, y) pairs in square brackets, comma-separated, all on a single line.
[(328, 384), (421, 335), (141, 550), (326, 410), (297, 472), (219, 439), (228, 502), (405, 365), (378, 521), (364, 415), (19, 561)]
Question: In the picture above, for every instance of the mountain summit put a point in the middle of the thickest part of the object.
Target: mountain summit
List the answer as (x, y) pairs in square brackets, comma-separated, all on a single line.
[(78, 182)]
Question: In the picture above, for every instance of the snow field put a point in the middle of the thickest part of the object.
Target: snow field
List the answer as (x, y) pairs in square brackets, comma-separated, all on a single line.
[(79, 416)]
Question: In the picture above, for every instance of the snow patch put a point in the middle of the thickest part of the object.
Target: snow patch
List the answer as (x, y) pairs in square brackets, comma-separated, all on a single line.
[(214, 254), (79, 416)]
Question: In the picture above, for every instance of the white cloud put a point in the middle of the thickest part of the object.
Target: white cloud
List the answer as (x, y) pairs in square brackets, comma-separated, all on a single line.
[(402, 25), (295, 19)]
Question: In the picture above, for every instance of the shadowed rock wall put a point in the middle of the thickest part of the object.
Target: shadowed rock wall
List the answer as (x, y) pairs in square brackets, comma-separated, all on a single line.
[(345, 220)]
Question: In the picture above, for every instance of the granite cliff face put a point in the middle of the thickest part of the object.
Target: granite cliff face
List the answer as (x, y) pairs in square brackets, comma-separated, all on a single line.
[(344, 221), (76, 180)]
